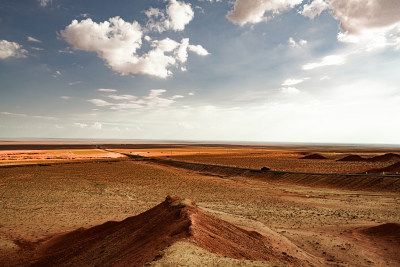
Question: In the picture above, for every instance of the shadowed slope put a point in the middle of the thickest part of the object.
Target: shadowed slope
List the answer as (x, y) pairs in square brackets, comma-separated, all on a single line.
[(381, 243), (137, 240), (352, 158), (385, 157), (314, 156), (391, 169)]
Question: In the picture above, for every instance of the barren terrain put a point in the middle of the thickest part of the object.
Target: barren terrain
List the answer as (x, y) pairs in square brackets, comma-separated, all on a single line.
[(313, 225)]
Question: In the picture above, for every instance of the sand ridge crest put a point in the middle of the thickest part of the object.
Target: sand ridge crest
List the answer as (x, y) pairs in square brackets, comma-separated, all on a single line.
[(139, 239)]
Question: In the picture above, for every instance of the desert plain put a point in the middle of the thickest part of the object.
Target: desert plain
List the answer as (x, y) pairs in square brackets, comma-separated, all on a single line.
[(192, 204)]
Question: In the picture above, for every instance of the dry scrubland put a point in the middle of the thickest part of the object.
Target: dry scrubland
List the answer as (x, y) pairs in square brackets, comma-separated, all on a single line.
[(317, 226)]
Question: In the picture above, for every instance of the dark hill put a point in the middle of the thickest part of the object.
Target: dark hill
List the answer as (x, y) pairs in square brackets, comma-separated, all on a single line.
[(385, 157), (352, 158), (314, 156)]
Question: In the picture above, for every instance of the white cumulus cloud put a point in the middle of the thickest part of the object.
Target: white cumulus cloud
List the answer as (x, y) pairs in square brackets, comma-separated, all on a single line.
[(374, 24), (176, 16), (255, 11), (314, 9), (11, 49), (371, 24), (117, 42)]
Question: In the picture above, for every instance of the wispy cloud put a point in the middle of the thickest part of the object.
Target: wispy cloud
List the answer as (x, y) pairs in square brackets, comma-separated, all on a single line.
[(332, 60), (153, 100), (107, 90), (80, 125), (36, 48), (31, 39), (290, 82), (74, 83), (21, 115)]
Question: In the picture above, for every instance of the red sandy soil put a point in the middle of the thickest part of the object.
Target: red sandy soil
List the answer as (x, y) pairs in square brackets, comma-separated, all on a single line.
[(391, 169), (20, 157), (382, 241), (38, 202), (314, 156), (385, 157), (352, 158), (139, 239)]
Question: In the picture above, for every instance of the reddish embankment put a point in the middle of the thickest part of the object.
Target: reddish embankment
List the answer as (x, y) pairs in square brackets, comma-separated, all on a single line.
[(352, 158), (314, 156), (137, 240), (376, 183), (391, 169)]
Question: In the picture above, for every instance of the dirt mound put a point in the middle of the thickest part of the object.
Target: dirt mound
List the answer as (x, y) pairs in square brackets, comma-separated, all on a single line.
[(384, 230), (385, 157), (391, 169), (314, 156), (352, 158), (139, 239)]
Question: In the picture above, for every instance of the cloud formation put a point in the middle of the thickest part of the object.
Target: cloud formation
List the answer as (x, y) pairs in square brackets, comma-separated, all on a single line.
[(11, 49), (290, 82), (176, 16), (357, 16), (117, 42), (375, 24), (123, 102), (314, 9), (44, 3), (21, 115), (106, 90), (332, 60), (250, 11), (294, 44), (371, 24), (31, 39)]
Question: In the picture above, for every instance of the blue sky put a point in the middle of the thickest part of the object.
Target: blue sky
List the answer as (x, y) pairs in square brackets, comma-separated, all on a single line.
[(267, 70)]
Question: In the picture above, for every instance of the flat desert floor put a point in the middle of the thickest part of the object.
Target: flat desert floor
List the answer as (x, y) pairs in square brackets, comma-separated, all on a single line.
[(299, 224)]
